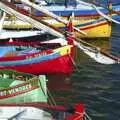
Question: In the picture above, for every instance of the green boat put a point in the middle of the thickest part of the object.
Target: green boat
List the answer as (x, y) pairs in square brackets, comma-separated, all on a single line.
[(24, 97), (18, 87)]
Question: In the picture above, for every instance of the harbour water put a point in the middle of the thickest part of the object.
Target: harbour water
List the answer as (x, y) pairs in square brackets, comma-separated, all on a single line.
[(96, 85)]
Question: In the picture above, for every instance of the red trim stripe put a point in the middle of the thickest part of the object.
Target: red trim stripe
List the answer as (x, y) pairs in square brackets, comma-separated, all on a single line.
[(20, 85), (18, 93), (89, 27)]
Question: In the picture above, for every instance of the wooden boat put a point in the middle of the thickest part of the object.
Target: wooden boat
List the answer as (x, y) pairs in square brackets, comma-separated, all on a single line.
[(34, 112), (16, 87), (23, 113), (24, 96), (90, 27), (5, 34), (91, 50), (93, 28), (80, 8), (36, 61)]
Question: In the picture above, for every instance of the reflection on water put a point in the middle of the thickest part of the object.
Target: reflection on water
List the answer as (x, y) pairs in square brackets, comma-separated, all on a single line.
[(91, 83), (61, 88)]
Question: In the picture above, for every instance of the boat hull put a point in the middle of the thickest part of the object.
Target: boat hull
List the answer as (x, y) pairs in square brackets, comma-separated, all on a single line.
[(94, 28), (79, 11), (62, 65), (41, 62), (21, 88), (101, 29)]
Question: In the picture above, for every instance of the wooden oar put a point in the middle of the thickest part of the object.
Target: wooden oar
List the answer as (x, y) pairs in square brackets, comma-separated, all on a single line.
[(77, 108), (110, 11), (105, 16), (2, 21), (107, 8)]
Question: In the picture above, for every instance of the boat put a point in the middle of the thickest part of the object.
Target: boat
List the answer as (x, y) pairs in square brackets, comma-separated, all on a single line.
[(24, 96), (32, 59), (5, 34), (94, 28), (81, 9), (90, 27), (25, 16), (87, 48), (17, 87), (87, 28), (23, 113)]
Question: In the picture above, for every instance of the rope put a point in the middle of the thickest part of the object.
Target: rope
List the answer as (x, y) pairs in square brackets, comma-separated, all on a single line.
[(74, 63), (80, 116), (51, 98), (87, 116)]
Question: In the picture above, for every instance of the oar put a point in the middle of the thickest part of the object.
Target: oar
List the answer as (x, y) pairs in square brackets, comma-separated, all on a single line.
[(105, 16), (93, 4), (2, 21), (107, 8), (50, 14), (42, 105)]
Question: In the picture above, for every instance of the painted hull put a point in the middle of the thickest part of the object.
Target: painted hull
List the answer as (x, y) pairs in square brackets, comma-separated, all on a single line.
[(24, 113), (80, 11), (21, 88), (94, 28), (100, 28), (63, 65), (41, 62), (79, 8)]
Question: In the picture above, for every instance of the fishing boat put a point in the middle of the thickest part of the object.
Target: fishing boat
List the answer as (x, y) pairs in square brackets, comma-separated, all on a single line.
[(80, 8), (87, 48), (30, 59), (24, 96), (23, 113), (16, 87), (5, 34), (87, 29), (93, 28)]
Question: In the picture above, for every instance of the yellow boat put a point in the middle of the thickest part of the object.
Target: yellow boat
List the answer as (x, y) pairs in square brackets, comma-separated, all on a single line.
[(95, 28)]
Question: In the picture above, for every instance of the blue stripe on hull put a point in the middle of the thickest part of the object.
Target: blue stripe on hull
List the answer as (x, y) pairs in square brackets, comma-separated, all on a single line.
[(78, 12), (31, 60), (85, 24)]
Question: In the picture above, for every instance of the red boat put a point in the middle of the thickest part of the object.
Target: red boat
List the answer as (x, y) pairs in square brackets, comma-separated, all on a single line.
[(39, 61)]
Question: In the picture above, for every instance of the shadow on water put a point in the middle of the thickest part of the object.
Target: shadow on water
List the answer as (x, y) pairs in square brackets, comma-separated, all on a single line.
[(96, 85)]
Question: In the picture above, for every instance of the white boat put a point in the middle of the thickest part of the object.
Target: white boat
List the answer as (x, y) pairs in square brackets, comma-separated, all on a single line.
[(5, 34), (24, 113)]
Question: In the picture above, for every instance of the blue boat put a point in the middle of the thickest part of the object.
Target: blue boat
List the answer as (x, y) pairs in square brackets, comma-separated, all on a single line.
[(65, 8)]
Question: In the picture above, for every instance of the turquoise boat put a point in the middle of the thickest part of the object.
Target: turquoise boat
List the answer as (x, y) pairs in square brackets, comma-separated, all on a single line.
[(16, 87)]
